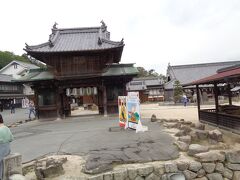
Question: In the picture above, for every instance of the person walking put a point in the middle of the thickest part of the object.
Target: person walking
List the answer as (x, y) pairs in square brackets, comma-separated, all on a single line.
[(12, 107), (31, 109), (185, 100), (5, 138)]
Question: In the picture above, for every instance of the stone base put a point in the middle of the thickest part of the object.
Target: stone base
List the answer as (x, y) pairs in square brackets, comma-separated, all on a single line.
[(12, 165)]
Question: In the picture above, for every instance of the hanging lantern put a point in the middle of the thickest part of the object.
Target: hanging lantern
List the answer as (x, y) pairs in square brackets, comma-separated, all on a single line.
[(89, 91), (81, 91), (68, 92), (74, 91), (95, 90)]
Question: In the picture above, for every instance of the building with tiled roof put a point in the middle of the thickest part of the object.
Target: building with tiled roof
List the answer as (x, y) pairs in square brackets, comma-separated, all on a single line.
[(82, 65), (186, 74)]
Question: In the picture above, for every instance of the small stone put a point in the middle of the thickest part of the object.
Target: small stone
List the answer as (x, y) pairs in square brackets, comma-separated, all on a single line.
[(108, 176), (211, 156), (236, 175), (182, 165), (195, 166), (209, 167), (234, 167), (201, 134), (187, 122), (153, 118), (193, 135), (186, 139), (172, 125), (170, 167), (120, 174), (227, 173), (215, 135), (186, 129), (146, 170), (159, 169), (219, 168), (152, 176), (189, 174), (233, 156), (200, 126), (182, 146), (180, 133), (196, 148), (201, 173), (132, 173), (215, 176)]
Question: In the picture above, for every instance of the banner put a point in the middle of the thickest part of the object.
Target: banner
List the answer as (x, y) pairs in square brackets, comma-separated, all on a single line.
[(133, 110), (122, 109)]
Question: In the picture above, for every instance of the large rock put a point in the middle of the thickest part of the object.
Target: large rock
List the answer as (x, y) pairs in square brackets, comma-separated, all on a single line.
[(211, 156), (195, 166), (186, 129), (196, 148), (227, 173), (233, 156), (172, 125), (201, 173), (200, 126), (170, 167), (189, 174), (182, 146), (201, 134), (215, 135), (132, 173), (215, 176), (120, 174), (209, 167), (219, 168), (159, 169), (186, 139), (49, 168), (234, 167), (153, 118), (180, 133), (201, 178), (108, 176), (236, 175), (152, 176), (145, 170), (182, 165)]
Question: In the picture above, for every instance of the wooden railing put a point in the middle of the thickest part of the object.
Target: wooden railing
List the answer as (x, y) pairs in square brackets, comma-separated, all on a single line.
[(226, 121)]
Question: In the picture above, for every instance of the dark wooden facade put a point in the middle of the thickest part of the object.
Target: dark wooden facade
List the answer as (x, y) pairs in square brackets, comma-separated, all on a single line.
[(92, 62)]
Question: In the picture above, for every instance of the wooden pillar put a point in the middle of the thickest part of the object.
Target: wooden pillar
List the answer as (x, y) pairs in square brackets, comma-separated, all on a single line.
[(198, 101), (216, 96), (105, 100), (229, 94)]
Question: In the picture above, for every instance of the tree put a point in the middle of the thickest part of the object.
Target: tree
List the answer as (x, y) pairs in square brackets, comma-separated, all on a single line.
[(151, 73), (6, 57), (178, 91)]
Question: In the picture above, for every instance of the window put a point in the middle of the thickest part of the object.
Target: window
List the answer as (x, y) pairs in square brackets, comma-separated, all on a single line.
[(46, 98)]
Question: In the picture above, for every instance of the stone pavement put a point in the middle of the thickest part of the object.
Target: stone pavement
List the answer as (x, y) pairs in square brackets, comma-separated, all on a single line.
[(19, 115), (89, 136)]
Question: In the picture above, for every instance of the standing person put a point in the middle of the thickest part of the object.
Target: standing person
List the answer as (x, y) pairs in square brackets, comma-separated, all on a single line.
[(5, 138), (12, 107), (185, 100), (31, 109)]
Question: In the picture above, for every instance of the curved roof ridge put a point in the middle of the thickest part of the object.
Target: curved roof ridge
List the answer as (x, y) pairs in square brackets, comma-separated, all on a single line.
[(112, 42)]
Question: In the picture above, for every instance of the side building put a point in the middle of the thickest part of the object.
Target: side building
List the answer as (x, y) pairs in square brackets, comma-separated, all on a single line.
[(10, 92), (80, 62), (186, 74), (149, 88)]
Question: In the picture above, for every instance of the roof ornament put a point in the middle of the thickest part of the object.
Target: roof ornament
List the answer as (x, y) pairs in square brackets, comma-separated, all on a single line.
[(103, 26), (122, 41), (99, 41), (27, 46), (55, 25)]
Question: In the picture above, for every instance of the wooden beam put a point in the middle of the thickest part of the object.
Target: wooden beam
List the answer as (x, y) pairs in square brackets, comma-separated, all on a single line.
[(216, 96), (229, 94), (105, 100), (198, 101)]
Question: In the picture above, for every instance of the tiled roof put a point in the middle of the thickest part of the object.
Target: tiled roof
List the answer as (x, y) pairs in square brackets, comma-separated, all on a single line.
[(189, 73), (77, 39), (143, 83), (120, 70), (5, 78), (222, 77)]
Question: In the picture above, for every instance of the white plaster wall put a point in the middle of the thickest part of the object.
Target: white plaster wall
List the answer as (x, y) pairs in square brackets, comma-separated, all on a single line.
[(14, 72)]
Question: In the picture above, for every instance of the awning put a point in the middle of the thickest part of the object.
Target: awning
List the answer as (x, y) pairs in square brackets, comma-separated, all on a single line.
[(235, 88), (12, 96)]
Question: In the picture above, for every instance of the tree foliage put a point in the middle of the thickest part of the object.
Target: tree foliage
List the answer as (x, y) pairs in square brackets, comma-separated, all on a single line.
[(151, 73), (6, 57), (178, 91)]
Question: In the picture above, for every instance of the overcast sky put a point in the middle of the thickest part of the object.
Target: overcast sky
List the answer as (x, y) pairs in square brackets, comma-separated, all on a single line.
[(156, 32)]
